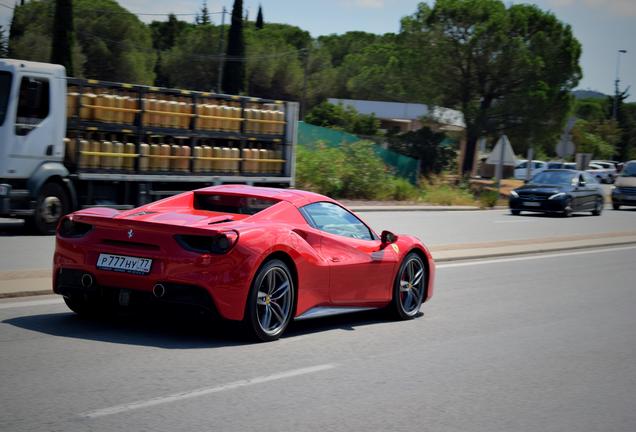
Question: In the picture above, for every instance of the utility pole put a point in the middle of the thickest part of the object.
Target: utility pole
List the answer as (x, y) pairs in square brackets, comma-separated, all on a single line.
[(616, 82), (219, 79)]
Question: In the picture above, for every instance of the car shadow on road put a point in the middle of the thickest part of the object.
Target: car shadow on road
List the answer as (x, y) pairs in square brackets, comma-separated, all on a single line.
[(177, 331)]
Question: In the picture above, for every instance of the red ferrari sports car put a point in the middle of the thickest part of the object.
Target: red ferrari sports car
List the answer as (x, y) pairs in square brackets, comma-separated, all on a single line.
[(261, 255)]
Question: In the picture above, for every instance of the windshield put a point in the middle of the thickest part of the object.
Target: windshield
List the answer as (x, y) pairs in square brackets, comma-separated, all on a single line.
[(629, 170), (553, 178), (5, 88)]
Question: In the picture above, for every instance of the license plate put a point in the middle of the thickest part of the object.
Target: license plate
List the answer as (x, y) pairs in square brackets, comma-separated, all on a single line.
[(531, 204), (124, 264)]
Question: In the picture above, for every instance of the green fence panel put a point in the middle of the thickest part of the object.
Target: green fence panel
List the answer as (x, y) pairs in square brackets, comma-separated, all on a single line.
[(309, 135)]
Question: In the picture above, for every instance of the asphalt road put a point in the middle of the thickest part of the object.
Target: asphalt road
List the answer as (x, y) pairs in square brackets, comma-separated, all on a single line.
[(530, 343), (432, 227)]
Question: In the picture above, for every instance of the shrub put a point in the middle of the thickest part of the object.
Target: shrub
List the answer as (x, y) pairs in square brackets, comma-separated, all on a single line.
[(488, 198)]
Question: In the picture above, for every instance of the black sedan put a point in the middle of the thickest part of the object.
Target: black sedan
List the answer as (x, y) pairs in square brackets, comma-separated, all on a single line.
[(558, 191)]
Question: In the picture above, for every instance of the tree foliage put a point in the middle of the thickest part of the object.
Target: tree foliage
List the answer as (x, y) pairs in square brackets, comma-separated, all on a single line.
[(425, 145), (507, 69), (259, 19), (343, 118), (112, 44)]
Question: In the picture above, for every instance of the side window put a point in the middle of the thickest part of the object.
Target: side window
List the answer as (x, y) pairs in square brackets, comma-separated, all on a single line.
[(589, 179), (334, 219), (522, 165), (33, 104)]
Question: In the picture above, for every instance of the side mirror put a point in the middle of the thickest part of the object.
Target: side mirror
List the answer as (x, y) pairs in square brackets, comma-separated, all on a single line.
[(387, 237)]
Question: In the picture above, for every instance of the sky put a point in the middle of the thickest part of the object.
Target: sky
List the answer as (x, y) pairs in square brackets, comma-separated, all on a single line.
[(602, 26)]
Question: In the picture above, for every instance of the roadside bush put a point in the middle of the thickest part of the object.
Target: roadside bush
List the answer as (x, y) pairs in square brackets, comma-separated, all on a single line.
[(435, 192), (321, 170), (488, 198), (400, 189)]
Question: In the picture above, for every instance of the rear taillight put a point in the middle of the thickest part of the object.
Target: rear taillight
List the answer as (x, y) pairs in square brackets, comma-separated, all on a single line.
[(218, 243), (70, 228)]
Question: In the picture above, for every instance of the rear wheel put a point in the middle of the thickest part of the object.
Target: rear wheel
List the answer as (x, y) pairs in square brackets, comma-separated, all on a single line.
[(271, 301), (409, 287), (52, 203), (515, 212), (598, 207)]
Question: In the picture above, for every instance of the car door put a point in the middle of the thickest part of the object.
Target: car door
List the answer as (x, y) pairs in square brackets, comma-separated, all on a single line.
[(591, 191), (360, 268)]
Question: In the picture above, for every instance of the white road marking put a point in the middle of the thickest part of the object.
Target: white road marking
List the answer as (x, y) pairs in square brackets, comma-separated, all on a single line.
[(29, 303), (515, 221), (204, 391), (532, 257)]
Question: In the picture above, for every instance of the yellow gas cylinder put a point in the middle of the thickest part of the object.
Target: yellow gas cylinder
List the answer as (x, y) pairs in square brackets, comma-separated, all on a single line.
[(118, 160), (226, 153), (155, 162), (225, 123), (129, 162), (213, 111), (269, 127), (184, 109), (87, 112), (196, 161), (175, 119), (216, 165), (247, 164), (149, 119), (107, 101), (160, 117), (106, 161), (207, 163), (263, 166), (201, 121), (164, 150), (258, 126), (71, 104), (249, 124), (175, 150), (144, 152), (133, 103), (280, 127), (278, 166), (235, 125), (117, 116), (83, 159), (236, 154), (94, 160), (186, 152)]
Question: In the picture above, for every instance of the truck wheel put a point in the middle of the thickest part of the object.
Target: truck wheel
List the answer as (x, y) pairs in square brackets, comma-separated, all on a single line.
[(52, 203)]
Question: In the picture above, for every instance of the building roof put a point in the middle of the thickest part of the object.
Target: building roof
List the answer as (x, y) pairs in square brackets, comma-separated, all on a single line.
[(397, 111)]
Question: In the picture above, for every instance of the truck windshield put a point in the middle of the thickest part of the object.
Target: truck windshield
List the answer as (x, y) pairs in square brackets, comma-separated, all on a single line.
[(5, 88)]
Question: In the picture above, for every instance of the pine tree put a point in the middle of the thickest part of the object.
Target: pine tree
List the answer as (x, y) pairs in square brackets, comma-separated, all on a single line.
[(259, 18), (204, 17), (234, 72), (62, 49)]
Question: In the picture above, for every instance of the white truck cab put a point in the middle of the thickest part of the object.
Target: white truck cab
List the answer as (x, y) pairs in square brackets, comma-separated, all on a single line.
[(32, 131)]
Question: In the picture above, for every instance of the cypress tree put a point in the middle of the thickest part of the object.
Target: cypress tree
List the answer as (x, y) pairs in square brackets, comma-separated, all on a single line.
[(234, 72), (204, 18), (259, 18), (62, 49)]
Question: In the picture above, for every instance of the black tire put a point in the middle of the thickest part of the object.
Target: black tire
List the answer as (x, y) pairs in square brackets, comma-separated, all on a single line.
[(409, 288), (598, 207), (84, 306), (51, 205), (515, 212), (273, 298), (616, 206)]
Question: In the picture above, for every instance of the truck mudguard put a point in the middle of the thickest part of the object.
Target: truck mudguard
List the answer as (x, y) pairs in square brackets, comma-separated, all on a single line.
[(45, 172)]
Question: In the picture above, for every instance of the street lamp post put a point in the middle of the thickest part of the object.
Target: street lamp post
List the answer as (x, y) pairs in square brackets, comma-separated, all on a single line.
[(616, 82)]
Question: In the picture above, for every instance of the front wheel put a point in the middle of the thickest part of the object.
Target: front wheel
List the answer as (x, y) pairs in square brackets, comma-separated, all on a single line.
[(515, 212), (409, 287), (598, 207), (567, 208), (616, 206), (270, 303)]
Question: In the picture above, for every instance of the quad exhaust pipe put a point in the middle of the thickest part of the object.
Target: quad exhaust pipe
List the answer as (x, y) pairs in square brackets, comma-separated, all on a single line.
[(159, 290)]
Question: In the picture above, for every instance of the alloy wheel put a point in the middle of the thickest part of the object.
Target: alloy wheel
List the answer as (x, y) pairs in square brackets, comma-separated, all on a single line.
[(412, 285), (274, 301)]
